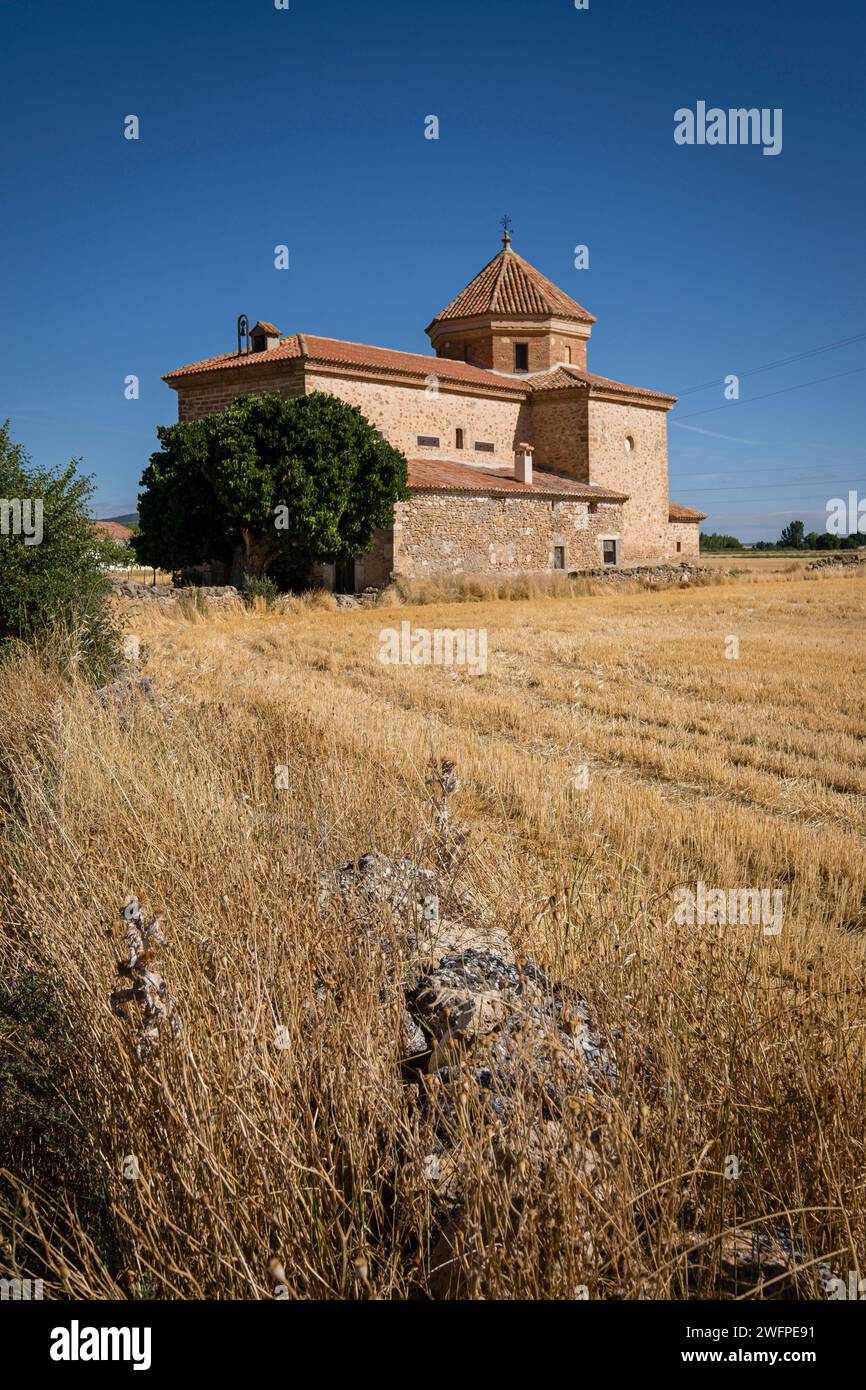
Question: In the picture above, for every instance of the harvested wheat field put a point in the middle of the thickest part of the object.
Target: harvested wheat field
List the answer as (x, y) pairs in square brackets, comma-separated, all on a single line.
[(266, 1127)]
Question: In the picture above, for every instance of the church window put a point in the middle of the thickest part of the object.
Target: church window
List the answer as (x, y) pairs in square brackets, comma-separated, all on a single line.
[(459, 441), (559, 557), (521, 357), (428, 441), (481, 447)]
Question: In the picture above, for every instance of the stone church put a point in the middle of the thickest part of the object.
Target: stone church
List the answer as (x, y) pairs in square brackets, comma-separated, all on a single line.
[(521, 461)]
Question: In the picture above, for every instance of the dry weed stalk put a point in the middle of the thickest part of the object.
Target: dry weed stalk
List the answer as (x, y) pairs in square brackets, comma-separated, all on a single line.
[(449, 835), (148, 990)]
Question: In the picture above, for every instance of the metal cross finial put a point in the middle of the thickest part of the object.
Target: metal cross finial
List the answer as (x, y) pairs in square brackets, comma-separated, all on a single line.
[(507, 226)]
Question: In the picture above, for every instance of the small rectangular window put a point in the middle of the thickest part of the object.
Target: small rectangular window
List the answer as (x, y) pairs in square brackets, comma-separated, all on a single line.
[(609, 552), (459, 440), (428, 441), (559, 557), (483, 448), (679, 546), (568, 354), (521, 357)]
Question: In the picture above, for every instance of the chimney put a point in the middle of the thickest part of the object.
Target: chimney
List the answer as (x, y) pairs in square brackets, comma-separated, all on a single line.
[(523, 464), (264, 337)]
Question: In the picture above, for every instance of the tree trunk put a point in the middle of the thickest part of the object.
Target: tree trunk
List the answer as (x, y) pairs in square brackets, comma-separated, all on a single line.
[(257, 551), (236, 574)]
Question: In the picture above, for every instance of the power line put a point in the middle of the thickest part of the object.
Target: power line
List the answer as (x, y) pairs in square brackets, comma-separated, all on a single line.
[(713, 410), (753, 487), (711, 473), (781, 362)]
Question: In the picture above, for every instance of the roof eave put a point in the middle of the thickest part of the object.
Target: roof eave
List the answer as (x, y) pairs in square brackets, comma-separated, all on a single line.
[(633, 395), (491, 316)]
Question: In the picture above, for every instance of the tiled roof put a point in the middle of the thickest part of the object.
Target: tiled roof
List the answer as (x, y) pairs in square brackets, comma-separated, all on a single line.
[(112, 530), (335, 350), (434, 475), (678, 513), (562, 377), (510, 285), (418, 364), (267, 328)]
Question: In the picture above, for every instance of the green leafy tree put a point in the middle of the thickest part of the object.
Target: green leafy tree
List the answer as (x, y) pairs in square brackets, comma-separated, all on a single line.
[(710, 540), (50, 580), (268, 486), (792, 536)]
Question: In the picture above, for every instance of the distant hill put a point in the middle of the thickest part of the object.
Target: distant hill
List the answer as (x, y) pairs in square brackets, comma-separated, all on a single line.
[(128, 519)]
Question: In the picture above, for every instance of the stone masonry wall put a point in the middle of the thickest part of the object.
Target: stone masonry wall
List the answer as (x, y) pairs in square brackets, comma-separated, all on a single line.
[(205, 393), (686, 534), (561, 434), (403, 413), (641, 473), (584, 437), (446, 533)]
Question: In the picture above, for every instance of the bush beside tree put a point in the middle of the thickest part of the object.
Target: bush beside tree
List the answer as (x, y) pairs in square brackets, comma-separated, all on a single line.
[(54, 588)]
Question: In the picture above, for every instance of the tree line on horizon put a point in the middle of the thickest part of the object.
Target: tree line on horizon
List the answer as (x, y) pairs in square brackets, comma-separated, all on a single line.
[(794, 537)]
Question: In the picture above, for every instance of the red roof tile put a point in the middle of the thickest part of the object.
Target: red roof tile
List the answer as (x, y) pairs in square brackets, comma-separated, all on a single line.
[(560, 378), (678, 513), (433, 475), (267, 328), (510, 285), (335, 350)]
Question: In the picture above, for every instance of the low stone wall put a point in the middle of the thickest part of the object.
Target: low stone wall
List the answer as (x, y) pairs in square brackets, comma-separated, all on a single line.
[(167, 593), (832, 561), (659, 576)]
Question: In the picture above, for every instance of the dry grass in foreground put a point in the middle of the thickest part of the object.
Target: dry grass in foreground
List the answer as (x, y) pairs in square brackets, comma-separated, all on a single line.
[(278, 1131)]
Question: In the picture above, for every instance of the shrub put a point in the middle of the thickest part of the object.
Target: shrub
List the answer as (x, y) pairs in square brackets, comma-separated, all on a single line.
[(44, 1137), (263, 588), (52, 592)]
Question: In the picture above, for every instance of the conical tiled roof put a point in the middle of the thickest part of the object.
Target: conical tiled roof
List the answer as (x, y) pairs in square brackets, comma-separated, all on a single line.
[(510, 285)]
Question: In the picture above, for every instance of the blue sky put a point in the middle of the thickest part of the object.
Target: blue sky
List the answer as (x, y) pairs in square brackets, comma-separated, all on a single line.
[(306, 127)]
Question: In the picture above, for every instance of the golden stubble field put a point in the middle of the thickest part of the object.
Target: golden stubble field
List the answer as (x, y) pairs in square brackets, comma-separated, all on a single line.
[(615, 750), (736, 761)]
